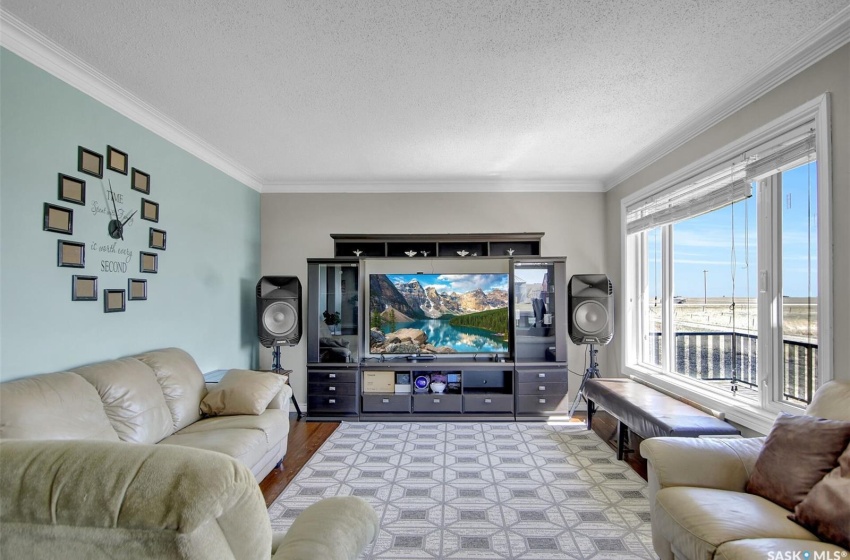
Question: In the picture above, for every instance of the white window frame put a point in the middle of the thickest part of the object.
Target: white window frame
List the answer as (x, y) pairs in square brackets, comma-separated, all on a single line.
[(758, 417)]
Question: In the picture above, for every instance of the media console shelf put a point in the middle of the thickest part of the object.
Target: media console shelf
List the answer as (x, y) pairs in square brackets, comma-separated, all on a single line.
[(420, 245), (475, 390)]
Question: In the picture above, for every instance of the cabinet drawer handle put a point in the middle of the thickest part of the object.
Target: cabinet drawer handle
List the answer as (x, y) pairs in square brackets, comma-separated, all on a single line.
[(541, 401), (541, 375), (331, 376), (331, 401), (331, 388), (541, 388), (437, 401), (385, 401), (488, 401)]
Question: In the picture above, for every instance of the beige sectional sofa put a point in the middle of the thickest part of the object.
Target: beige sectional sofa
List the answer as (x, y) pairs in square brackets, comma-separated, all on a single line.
[(699, 505), (151, 398)]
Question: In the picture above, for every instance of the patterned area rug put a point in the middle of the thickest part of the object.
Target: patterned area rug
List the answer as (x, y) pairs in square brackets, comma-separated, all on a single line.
[(480, 491)]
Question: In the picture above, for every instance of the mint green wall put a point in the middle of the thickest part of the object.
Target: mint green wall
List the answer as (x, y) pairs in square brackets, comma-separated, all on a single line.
[(201, 299)]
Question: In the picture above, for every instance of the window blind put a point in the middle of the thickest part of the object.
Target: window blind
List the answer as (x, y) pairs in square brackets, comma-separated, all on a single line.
[(723, 184)]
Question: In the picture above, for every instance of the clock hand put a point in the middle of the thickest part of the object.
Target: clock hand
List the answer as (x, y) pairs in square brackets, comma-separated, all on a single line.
[(114, 207), (128, 218)]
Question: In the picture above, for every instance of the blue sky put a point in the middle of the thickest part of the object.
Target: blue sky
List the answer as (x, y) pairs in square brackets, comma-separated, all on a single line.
[(704, 243), (460, 283)]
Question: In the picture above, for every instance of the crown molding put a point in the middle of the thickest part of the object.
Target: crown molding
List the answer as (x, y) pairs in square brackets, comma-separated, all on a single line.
[(447, 185), (32, 46), (822, 41)]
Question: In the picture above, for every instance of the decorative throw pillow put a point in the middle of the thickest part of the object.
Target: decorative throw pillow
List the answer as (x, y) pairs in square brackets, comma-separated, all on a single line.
[(798, 452), (826, 509), (242, 391)]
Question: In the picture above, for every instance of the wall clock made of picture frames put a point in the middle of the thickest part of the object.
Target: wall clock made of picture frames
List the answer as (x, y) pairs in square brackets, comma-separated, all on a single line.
[(118, 203)]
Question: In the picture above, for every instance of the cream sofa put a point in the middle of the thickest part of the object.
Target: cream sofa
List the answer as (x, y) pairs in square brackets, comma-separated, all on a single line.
[(699, 507), (149, 398), (97, 500)]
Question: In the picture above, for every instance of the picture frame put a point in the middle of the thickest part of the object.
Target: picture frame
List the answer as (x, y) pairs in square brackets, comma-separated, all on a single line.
[(58, 219), (140, 181), (114, 301), (72, 190), (148, 262), (83, 288), (116, 160), (137, 289), (90, 162), (71, 254), (156, 239), (150, 210)]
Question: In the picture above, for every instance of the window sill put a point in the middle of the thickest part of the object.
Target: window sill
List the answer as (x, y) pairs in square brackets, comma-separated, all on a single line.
[(735, 410)]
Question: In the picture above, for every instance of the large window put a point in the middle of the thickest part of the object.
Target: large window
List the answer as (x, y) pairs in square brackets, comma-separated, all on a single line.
[(725, 280)]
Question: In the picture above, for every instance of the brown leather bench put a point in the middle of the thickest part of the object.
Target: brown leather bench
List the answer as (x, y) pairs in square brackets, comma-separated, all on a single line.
[(648, 412)]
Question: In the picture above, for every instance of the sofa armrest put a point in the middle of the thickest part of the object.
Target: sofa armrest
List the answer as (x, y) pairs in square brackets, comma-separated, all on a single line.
[(282, 398), (720, 463), (336, 528)]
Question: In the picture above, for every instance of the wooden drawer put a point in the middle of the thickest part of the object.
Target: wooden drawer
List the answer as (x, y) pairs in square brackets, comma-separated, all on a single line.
[(548, 375), (542, 388), (386, 403), (542, 404), (331, 389), (332, 376), (488, 403), (436, 403), (332, 405)]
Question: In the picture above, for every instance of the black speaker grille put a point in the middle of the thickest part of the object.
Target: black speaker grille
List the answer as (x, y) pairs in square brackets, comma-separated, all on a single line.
[(279, 310), (591, 305)]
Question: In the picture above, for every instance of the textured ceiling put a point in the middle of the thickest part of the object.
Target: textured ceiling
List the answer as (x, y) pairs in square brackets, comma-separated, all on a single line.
[(425, 90)]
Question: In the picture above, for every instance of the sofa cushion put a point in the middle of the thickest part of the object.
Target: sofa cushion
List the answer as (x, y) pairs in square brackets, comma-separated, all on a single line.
[(274, 423), (242, 391), (697, 520), (748, 549), (53, 406), (246, 445), (826, 509), (798, 452), (182, 383), (132, 399)]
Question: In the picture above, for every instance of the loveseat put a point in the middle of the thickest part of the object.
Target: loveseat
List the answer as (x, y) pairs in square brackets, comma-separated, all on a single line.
[(151, 398), (705, 502), (97, 500)]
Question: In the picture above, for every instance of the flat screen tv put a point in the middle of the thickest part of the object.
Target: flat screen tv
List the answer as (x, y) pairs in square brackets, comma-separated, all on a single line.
[(438, 314)]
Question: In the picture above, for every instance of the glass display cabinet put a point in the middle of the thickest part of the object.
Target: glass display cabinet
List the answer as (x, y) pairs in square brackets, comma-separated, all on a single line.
[(539, 287), (333, 349)]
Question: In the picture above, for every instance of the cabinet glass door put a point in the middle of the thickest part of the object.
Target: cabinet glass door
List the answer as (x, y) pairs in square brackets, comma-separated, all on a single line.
[(536, 311), (335, 313)]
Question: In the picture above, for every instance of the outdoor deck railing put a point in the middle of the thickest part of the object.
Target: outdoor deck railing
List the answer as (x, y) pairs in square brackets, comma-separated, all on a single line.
[(709, 356)]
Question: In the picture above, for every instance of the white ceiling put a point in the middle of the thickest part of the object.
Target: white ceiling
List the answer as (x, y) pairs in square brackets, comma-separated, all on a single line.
[(306, 94)]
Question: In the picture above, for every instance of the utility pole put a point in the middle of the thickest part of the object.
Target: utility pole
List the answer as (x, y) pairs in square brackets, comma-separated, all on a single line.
[(704, 288)]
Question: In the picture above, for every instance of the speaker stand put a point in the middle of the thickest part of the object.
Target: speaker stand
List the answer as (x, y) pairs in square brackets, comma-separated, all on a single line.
[(276, 367), (590, 373)]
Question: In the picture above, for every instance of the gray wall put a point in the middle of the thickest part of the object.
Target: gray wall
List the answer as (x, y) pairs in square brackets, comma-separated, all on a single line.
[(295, 227), (832, 74)]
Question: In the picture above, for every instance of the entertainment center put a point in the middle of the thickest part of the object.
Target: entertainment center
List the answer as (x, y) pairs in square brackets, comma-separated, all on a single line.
[(427, 327)]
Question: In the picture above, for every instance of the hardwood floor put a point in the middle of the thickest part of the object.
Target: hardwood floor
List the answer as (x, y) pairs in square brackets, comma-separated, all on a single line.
[(305, 438)]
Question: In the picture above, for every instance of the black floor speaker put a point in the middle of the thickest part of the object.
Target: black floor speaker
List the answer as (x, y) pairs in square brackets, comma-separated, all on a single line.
[(279, 310), (591, 308)]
